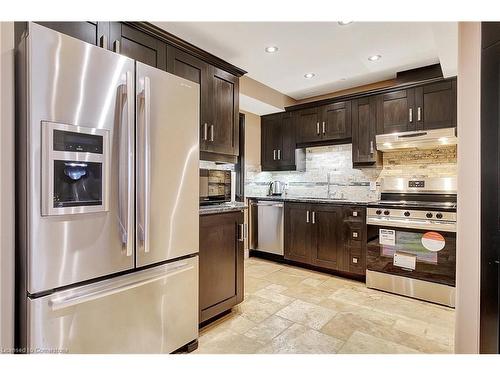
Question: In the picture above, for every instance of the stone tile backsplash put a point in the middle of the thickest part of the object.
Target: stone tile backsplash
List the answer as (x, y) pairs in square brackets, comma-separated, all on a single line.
[(329, 172)]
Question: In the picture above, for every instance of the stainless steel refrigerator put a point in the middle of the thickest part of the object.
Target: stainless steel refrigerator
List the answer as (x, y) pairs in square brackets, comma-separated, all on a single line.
[(107, 183)]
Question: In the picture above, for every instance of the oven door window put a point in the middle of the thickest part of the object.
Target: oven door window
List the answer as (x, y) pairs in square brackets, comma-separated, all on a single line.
[(77, 184), (425, 255)]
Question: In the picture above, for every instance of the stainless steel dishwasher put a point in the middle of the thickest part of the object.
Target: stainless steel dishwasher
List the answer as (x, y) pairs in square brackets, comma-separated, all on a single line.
[(267, 226)]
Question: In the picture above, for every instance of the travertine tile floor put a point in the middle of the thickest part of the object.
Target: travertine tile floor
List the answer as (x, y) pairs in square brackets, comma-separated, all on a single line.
[(294, 310)]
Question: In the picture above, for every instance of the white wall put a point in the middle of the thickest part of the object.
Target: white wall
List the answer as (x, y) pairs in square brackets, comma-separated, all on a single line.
[(469, 178), (6, 185)]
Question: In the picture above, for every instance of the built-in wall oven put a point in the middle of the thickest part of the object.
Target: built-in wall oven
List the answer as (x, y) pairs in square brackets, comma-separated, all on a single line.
[(411, 246)]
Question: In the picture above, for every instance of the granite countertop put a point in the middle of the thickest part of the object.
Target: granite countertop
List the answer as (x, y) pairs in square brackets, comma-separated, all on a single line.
[(311, 200), (223, 207)]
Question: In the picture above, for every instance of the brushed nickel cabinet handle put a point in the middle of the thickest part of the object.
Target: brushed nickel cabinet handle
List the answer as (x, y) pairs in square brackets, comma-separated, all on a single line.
[(307, 216), (324, 127), (419, 114), (410, 115), (317, 128), (205, 131), (371, 147), (242, 232), (274, 154), (314, 217), (211, 133), (279, 154)]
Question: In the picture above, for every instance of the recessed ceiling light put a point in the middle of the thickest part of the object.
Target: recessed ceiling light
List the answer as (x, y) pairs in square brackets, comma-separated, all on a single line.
[(271, 49), (343, 23), (309, 75), (375, 57)]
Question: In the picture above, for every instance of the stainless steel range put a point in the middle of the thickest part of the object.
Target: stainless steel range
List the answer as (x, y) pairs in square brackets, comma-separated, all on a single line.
[(412, 239)]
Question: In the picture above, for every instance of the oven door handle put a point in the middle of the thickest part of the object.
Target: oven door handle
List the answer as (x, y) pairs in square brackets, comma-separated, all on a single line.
[(433, 225)]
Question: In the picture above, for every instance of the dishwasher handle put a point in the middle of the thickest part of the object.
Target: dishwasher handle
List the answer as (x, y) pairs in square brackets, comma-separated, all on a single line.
[(270, 204)]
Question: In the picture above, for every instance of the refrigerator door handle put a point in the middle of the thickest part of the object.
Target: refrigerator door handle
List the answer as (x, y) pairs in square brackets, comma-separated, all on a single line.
[(126, 163), (107, 290), (129, 94), (147, 161)]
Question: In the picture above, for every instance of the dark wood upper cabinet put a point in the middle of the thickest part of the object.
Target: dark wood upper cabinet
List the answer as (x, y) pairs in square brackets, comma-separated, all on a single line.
[(221, 263), (138, 45), (278, 151), (298, 232), (364, 122), (335, 121), (96, 33), (288, 153), (490, 34), (436, 105), (189, 67), (271, 141), (326, 124), (395, 112), (429, 106), (308, 125), (219, 102), (224, 129), (327, 247)]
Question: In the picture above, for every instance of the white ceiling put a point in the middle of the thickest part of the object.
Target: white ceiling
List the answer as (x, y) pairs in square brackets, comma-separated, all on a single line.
[(331, 51)]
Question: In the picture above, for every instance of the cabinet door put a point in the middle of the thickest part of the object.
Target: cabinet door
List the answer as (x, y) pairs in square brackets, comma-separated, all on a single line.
[(336, 121), (363, 131), (137, 45), (271, 141), (221, 263), (287, 149), (297, 232), (95, 33), (436, 105), (327, 246), (395, 112), (189, 67), (308, 126), (224, 130)]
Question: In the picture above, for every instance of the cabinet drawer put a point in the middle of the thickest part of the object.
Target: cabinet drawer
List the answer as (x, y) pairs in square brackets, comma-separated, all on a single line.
[(353, 236), (357, 261), (355, 214)]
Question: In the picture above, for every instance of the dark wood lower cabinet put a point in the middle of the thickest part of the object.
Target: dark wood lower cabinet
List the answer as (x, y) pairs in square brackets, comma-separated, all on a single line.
[(327, 236), (221, 263), (297, 232), (326, 239)]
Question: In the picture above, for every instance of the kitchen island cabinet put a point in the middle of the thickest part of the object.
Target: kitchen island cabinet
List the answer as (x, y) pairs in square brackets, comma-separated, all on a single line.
[(221, 263)]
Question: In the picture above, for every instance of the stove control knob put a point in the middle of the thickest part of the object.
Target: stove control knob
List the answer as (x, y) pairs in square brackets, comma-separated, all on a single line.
[(439, 215), (378, 212), (407, 213), (428, 215), (386, 212)]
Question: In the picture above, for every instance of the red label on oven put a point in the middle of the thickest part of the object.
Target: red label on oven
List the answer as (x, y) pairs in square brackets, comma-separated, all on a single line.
[(433, 241)]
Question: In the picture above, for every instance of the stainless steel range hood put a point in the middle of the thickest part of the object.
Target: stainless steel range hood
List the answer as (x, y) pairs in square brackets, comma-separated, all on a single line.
[(420, 139)]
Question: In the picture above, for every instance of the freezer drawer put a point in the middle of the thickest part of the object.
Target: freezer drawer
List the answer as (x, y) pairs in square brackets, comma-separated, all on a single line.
[(150, 311)]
